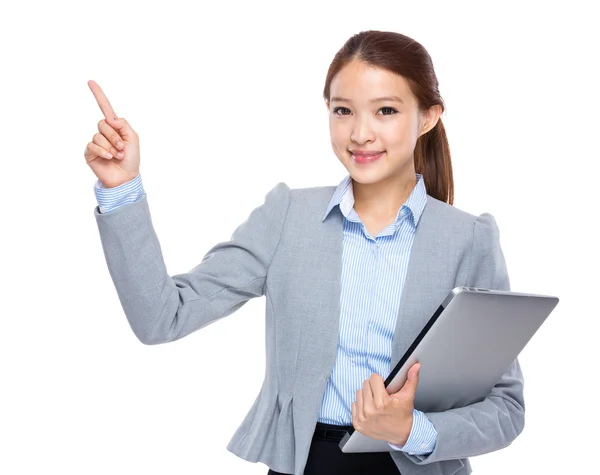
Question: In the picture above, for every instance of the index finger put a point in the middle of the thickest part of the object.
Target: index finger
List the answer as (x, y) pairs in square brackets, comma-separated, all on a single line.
[(102, 100), (378, 389)]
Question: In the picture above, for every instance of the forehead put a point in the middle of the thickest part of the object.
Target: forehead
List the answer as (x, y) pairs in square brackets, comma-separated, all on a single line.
[(359, 81)]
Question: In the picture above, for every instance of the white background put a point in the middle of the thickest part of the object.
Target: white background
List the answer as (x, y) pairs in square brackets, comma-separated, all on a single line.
[(226, 98)]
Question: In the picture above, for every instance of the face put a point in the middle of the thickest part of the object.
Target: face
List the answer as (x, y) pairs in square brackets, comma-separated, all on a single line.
[(372, 110)]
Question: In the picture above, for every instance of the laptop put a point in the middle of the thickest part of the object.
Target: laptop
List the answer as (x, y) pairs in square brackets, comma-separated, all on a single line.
[(464, 349)]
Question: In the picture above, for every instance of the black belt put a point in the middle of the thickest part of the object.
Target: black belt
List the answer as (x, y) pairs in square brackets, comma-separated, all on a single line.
[(331, 432)]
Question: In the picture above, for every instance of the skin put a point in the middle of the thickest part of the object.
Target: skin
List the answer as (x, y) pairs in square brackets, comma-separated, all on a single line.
[(114, 152), (382, 187), (359, 120), (383, 416)]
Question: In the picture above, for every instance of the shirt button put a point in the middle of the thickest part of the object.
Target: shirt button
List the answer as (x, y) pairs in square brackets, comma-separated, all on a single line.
[(423, 445)]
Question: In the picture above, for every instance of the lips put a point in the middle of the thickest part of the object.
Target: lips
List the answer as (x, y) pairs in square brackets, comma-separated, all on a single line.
[(363, 156)]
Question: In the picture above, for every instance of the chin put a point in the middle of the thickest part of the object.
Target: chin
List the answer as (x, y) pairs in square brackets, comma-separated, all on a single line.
[(367, 177)]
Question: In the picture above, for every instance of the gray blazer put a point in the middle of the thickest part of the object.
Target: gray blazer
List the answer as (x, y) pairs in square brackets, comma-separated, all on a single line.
[(287, 252)]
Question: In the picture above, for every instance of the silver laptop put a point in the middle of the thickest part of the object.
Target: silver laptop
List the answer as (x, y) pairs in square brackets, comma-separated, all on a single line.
[(464, 349)]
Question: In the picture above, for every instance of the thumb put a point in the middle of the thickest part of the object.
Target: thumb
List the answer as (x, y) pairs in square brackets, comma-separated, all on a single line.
[(410, 386), (123, 127)]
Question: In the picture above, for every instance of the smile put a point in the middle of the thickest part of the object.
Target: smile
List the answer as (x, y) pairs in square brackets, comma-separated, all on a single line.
[(365, 159)]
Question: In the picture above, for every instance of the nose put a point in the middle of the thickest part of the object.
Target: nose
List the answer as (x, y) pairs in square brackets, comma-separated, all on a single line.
[(362, 131)]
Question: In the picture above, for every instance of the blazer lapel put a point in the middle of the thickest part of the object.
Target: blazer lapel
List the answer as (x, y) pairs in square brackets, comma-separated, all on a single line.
[(420, 297), (319, 337), (418, 294)]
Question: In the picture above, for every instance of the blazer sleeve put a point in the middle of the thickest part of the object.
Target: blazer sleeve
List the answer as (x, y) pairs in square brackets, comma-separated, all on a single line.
[(496, 421), (162, 308)]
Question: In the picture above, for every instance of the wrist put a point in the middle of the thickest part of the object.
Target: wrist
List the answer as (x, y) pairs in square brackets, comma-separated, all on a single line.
[(109, 184), (405, 434)]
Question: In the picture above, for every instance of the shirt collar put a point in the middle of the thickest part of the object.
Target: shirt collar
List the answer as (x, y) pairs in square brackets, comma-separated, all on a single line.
[(343, 196)]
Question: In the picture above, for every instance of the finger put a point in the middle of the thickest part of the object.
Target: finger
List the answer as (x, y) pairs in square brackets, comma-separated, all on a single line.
[(103, 142), (359, 405), (111, 134), (124, 128), (102, 101), (93, 151), (380, 395), (410, 386), (367, 395), (416, 371)]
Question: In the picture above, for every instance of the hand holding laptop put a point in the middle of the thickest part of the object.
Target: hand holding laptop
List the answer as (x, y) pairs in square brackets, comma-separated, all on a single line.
[(383, 416), (467, 345)]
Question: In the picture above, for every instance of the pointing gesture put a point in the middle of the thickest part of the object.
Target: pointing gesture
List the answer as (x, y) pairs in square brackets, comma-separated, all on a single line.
[(103, 101), (114, 152)]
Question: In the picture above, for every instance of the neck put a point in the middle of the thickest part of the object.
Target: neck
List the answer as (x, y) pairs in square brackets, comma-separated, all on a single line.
[(384, 198)]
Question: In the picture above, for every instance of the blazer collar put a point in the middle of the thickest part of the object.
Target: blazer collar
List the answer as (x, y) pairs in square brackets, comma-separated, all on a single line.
[(343, 197)]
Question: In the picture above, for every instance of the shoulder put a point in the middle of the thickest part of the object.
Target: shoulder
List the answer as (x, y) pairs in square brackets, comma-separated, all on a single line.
[(442, 210), (313, 192), (282, 190), (297, 206), (309, 199), (486, 266), (445, 214)]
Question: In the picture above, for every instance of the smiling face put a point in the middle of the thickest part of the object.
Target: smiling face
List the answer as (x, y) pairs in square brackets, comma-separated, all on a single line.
[(372, 110)]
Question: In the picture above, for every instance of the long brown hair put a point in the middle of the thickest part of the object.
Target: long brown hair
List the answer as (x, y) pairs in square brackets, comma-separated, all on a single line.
[(402, 55)]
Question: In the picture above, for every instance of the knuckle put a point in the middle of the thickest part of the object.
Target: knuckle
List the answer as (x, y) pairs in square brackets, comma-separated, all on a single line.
[(101, 123), (97, 137), (115, 138)]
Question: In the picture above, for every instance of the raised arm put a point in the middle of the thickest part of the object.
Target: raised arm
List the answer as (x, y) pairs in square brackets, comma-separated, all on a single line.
[(162, 308)]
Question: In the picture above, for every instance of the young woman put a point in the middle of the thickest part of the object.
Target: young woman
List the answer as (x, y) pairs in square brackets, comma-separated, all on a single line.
[(350, 274)]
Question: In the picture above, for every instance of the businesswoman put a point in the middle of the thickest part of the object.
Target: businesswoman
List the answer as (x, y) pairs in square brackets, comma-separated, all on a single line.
[(351, 273)]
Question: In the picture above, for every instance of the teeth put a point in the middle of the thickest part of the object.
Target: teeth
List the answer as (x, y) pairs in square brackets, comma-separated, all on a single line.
[(365, 156)]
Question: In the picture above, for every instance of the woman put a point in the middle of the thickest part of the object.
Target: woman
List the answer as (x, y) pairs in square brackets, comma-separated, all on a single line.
[(343, 299)]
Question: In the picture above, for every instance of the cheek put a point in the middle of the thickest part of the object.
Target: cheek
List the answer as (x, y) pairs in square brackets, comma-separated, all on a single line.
[(399, 135), (338, 136)]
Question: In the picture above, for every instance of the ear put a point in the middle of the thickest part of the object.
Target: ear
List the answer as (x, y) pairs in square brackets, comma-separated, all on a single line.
[(327, 104), (429, 118)]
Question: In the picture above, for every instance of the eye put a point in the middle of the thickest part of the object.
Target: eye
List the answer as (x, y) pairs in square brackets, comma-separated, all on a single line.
[(394, 111), (335, 111), (345, 111)]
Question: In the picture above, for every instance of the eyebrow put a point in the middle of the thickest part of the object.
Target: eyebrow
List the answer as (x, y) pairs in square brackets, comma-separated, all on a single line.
[(377, 99)]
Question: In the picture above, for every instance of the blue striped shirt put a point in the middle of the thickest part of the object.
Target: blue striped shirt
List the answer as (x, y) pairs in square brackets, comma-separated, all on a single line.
[(373, 275)]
